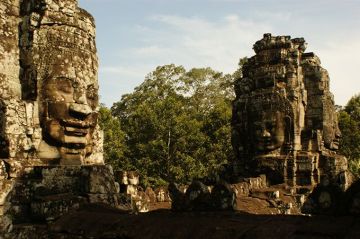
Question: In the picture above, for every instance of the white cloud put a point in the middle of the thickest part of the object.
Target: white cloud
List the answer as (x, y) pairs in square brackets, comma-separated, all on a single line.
[(217, 33), (150, 51), (227, 1), (116, 79), (219, 43), (340, 59), (187, 41), (121, 71), (273, 16), (198, 42)]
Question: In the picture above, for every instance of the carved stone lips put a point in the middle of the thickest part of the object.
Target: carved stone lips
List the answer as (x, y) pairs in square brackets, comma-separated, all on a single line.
[(69, 123), (76, 131), (336, 141), (265, 141), (73, 151)]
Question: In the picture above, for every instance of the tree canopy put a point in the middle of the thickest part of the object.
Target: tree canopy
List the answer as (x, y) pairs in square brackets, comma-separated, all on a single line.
[(176, 124), (114, 140), (349, 123)]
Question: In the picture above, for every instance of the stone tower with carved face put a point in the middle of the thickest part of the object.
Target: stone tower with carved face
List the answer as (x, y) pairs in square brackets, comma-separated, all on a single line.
[(51, 157), (284, 121), (51, 100)]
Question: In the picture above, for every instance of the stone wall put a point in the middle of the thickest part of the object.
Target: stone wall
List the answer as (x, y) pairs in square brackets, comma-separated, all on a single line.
[(44, 194), (13, 137)]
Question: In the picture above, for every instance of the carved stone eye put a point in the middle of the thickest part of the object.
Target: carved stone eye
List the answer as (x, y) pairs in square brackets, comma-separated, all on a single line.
[(91, 92), (269, 125), (58, 89), (64, 85)]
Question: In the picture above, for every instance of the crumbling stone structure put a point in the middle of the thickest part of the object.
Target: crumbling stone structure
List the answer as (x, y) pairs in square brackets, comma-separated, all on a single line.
[(57, 86), (132, 192), (50, 140), (284, 122), (199, 197)]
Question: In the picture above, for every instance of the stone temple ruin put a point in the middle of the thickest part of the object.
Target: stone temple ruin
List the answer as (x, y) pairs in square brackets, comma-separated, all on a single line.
[(51, 144), (284, 119), (284, 122)]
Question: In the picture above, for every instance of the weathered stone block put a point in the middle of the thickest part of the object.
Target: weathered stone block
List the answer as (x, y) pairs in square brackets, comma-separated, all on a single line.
[(223, 197), (49, 113), (198, 196), (52, 207), (162, 194), (241, 189), (48, 192), (111, 199), (100, 179)]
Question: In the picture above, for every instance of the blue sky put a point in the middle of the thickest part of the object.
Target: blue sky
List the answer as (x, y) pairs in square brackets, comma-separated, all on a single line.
[(135, 36)]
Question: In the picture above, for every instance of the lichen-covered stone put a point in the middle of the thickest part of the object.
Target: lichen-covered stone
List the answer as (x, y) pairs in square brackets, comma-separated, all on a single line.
[(162, 194), (223, 197), (199, 197), (351, 200), (46, 193), (50, 140), (284, 122), (178, 200), (48, 83)]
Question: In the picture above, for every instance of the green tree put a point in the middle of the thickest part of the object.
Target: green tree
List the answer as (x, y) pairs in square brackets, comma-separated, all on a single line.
[(349, 123), (114, 140), (238, 73), (177, 123)]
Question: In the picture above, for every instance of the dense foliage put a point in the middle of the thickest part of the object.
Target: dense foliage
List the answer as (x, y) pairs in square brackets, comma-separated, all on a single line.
[(349, 123), (114, 140), (175, 126)]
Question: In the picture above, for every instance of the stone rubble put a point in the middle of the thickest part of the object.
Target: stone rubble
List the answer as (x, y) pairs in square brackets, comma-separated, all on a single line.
[(129, 187), (199, 197)]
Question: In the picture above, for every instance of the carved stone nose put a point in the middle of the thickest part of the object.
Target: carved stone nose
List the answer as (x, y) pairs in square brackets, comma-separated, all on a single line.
[(266, 133), (338, 133), (81, 98), (83, 109)]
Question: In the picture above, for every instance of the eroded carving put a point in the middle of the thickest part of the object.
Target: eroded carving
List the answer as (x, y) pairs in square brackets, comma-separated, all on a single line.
[(50, 139), (49, 98), (68, 114), (284, 119)]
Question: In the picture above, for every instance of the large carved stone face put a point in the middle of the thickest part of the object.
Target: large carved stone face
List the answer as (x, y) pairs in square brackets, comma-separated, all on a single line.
[(332, 135), (69, 116), (68, 100), (65, 63), (268, 131), (331, 131), (59, 68)]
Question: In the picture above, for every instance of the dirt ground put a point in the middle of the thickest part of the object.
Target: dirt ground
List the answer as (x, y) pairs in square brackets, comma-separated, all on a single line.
[(97, 221)]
